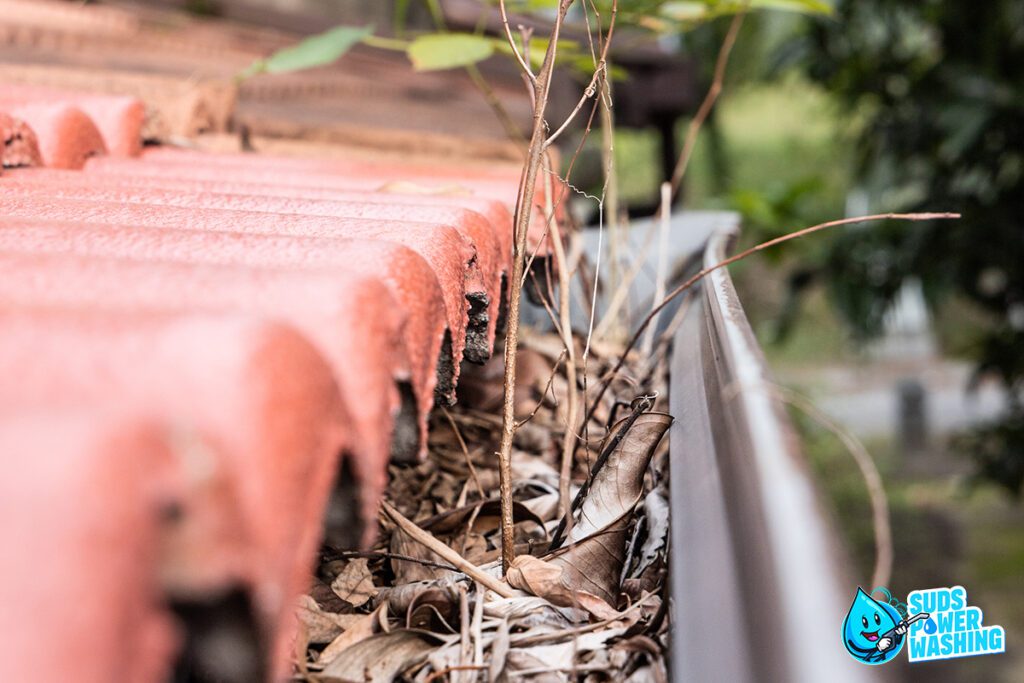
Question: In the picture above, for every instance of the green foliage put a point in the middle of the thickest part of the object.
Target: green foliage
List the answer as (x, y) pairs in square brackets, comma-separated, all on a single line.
[(436, 51), (943, 85), (674, 16), (319, 50)]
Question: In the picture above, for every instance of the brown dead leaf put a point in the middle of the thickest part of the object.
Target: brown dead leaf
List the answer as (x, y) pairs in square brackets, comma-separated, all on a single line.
[(362, 629), (408, 572), (592, 562), (354, 584), (546, 580), (323, 627), (380, 658)]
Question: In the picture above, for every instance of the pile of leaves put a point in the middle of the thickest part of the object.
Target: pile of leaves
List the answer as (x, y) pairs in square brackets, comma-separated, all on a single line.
[(584, 599)]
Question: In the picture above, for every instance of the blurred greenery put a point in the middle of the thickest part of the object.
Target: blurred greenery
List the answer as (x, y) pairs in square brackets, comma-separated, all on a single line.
[(897, 105), (942, 537)]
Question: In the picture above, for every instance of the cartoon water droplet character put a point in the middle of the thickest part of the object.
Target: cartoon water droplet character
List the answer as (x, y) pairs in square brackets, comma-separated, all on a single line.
[(873, 632)]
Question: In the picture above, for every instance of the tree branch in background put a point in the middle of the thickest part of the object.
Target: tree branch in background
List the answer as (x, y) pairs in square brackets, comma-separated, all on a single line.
[(739, 257), (872, 479), (709, 100)]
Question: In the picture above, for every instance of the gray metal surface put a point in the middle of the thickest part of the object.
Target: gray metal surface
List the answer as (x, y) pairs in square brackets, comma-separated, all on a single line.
[(758, 585)]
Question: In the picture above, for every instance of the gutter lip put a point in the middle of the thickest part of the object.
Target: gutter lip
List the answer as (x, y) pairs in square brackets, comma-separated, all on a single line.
[(757, 581)]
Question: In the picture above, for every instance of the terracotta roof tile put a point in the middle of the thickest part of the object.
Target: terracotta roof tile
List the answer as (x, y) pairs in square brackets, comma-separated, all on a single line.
[(119, 119), (351, 319), (66, 135), (449, 253), (250, 506), (99, 595), (408, 276), (18, 144), (175, 106)]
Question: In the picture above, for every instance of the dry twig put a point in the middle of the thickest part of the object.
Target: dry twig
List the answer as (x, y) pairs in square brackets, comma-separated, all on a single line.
[(709, 100), (440, 549), (739, 257)]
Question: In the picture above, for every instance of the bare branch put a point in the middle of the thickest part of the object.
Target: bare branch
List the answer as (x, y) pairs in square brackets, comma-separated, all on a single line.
[(523, 214), (512, 44), (447, 554), (739, 257), (600, 73), (709, 100)]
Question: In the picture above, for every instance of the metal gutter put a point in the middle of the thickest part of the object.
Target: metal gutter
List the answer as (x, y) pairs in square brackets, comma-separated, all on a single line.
[(757, 581)]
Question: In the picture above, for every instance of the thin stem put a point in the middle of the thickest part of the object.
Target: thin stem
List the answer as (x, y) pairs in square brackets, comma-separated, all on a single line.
[(427, 539), (661, 274), (387, 43), (739, 257), (512, 43), (709, 100), (511, 127), (523, 214), (565, 323), (872, 479)]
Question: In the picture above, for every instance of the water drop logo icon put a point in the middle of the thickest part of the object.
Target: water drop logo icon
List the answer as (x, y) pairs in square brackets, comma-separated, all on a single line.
[(930, 626), (873, 632)]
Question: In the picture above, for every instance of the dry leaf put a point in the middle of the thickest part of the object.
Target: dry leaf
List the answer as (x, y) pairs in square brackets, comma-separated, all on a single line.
[(380, 658), (546, 580), (362, 629), (499, 652), (323, 627), (593, 562), (407, 572), (656, 512), (354, 584)]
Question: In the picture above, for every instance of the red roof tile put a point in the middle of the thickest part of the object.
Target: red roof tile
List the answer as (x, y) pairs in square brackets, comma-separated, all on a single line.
[(449, 253), (258, 391), (119, 119), (485, 293), (80, 513), (410, 279), (18, 144), (67, 137), (351, 319)]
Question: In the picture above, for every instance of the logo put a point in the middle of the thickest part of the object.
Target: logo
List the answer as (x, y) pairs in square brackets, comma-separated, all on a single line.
[(874, 632), (933, 624), (952, 629)]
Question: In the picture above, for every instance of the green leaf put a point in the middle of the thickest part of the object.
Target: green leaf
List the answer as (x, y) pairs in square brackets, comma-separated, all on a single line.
[(810, 6), (436, 51), (318, 50), (685, 11)]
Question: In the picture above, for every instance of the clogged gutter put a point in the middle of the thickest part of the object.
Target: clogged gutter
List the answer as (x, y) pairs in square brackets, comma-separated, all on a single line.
[(576, 608)]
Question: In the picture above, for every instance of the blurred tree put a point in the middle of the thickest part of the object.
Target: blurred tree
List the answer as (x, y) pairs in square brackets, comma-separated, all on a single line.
[(941, 86)]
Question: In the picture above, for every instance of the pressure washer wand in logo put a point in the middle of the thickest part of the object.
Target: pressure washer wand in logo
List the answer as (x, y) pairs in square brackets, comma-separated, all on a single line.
[(904, 625)]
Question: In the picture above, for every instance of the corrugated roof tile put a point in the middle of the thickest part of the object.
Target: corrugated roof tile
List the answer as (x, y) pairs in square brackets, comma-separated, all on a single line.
[(66, 136), (409, 277), (80, 517), (351, 319), (450, 254), (19, 144), (252, 402)]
